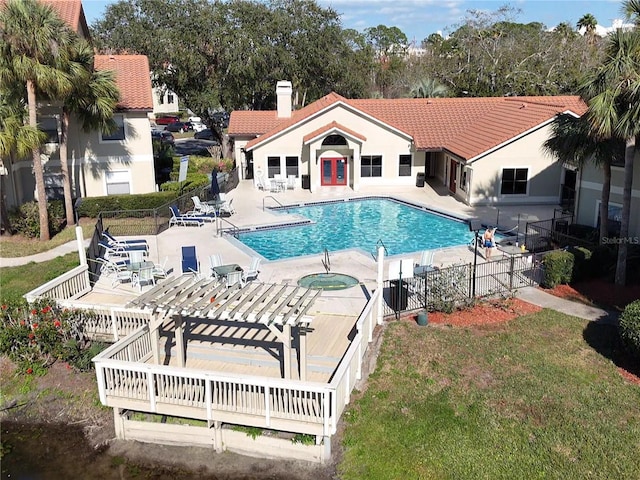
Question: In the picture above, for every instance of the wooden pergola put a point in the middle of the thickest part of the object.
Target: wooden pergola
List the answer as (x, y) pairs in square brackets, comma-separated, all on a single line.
[(278, 307)]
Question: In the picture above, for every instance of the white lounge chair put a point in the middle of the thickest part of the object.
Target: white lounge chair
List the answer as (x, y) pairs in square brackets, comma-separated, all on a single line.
[(145, 275), (227, 208), (200, 208), (215, 260)]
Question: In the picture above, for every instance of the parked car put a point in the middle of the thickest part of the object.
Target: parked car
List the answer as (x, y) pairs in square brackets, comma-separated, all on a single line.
[(206, 134), (197, 126), (221, 118), (177, 127), (163, 136), (167, 119)]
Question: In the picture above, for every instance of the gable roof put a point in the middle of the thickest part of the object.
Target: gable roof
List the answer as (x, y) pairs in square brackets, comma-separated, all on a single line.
[(466, 127), (333, 127), (71, 13), (132, 78)]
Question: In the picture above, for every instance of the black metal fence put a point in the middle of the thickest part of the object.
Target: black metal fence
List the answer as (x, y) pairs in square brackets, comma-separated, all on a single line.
[(447, 288), (554, 233), (156, 220)]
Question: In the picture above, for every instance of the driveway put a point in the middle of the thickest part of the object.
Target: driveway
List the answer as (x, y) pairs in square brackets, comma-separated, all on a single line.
[(191, 146)]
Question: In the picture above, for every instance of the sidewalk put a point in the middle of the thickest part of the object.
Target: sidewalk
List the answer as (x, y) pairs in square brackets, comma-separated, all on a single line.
[(546, 300), (68, 247)]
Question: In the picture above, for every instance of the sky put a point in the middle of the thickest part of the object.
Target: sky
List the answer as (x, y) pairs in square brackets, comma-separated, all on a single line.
[(420, 18)]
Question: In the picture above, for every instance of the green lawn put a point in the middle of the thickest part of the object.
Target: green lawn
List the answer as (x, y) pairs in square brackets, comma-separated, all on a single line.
[(527, 399), (16, 281)]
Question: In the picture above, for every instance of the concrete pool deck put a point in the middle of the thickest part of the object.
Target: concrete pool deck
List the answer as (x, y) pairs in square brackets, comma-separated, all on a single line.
[(251, 207)]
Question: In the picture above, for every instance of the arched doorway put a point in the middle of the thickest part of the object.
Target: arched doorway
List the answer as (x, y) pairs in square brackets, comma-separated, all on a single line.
[(333, 170)]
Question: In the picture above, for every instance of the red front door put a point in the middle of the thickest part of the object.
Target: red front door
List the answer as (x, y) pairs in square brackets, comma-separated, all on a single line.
[(334, 171)]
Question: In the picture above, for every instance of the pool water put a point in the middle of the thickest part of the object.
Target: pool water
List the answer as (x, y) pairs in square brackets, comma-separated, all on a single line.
[(359, 224)]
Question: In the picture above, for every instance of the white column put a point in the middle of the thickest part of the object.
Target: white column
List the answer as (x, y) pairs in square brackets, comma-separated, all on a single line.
[(380, 283), (302, 334), (179, 332), (286, 350), (80, 242)]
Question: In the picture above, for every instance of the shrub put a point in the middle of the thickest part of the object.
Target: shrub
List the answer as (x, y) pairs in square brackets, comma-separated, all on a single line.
[(630, 328), (92, 206), (558, 268), (35, 335), (581, 263), (193, 181), (603, 260), (25, 219)]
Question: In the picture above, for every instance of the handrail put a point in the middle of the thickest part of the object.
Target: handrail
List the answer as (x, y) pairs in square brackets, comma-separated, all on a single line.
[(379, 243), (272, 197), (326, 261), (235, 231)]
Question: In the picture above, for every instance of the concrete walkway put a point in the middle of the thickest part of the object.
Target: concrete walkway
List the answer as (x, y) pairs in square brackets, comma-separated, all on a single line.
[(546, 300), (60, 251)]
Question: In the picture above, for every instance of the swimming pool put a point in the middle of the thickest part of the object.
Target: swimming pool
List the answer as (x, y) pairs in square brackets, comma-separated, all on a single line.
[(360, 224)]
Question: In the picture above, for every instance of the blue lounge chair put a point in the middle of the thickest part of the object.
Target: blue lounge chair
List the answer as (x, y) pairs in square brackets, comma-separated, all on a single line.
[(120, 251), (123, 243), (190, 260), (184, 220)]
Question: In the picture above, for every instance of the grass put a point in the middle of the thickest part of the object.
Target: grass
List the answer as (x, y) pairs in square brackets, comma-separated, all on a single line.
[(18, 246), (532, 398), (16, 281)]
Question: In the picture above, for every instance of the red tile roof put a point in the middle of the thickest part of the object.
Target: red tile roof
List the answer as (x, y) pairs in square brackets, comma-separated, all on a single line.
[(467, 127), (72, 13), (132, 77)]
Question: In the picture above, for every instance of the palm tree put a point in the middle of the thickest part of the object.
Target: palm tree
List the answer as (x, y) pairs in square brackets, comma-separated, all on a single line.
[(93, 99), (572, 142), (589, 23), (34, 40), (428, 88), (613, 97), (17, 140)]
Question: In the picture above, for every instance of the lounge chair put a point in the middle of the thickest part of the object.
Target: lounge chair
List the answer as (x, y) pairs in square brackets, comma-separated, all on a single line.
[(110, 239), (260, 183), (426, 263), (120, 251), (190, 260), (200, 208), (184, 220), (109, 266), (227, 208), (251, 272)]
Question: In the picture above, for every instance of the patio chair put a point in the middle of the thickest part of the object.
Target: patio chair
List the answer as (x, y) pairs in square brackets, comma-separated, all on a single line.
[(260, 183), (215, 260), (160, 271), (251, 272), (136, 256), (291, 182), (426, 263), (145, 275), (190, 260), (184, 220), (111, 240), (122, 276), (227, 208), (233, 278), (200, 208)]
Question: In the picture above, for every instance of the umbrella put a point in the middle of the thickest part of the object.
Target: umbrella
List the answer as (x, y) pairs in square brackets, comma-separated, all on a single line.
[(215, 188)]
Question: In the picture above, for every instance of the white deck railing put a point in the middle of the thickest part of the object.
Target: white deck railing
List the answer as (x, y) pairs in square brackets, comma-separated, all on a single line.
[(109, 323), (70, 285), (124, 381)]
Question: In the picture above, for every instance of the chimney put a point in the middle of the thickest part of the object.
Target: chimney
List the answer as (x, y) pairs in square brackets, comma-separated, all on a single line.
[(283, 93)]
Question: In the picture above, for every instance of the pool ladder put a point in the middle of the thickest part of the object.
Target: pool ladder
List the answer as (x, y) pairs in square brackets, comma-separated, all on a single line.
[(379, 243), (326, 261)]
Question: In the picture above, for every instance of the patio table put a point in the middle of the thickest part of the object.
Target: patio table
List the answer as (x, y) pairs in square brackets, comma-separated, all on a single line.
[(137, 266), (222, 271)]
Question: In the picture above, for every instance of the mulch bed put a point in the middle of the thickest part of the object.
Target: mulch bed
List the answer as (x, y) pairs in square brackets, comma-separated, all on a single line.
[(598, 292)]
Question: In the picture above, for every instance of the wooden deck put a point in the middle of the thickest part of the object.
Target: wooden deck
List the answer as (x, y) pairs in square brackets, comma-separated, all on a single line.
[(251, 349)]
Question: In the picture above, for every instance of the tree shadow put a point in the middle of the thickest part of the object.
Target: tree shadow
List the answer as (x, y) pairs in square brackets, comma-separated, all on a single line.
[(605, 339)]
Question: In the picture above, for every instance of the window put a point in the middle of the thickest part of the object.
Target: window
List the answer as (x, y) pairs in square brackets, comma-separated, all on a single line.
[(463, 180), (118, 133), (514, 181), (334, 140), (170, 98), (405, 166), (273, 166), (292, 166), (49, 125), (118, 183), (161, 99), (371, 166)]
